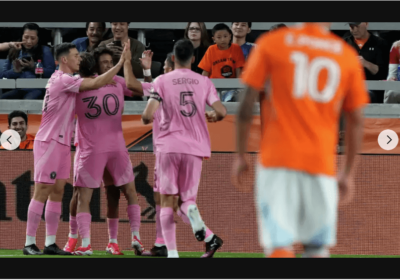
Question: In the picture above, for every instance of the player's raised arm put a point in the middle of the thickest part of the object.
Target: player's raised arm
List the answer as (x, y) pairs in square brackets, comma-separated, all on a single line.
[(131, 82), (106, 78)]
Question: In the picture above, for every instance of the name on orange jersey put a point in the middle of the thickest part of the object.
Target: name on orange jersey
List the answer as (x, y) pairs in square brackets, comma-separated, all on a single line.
[(223, 60), (328, 45)]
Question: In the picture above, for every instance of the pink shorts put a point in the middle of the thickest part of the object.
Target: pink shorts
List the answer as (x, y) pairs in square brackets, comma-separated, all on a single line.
[(52, 161), (179, 174), (156, 186), (90, 169)]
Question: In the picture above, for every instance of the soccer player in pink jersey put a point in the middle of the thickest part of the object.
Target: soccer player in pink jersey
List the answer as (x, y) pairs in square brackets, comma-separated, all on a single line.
[(102, 145), (104, 62), (52, 158), (183, 140)]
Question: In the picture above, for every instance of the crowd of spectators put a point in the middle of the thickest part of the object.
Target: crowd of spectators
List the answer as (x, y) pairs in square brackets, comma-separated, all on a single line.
[(221, 55)]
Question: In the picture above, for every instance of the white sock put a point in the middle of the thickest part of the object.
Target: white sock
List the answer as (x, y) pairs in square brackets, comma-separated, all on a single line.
[(85, 242), (73, 236), (208, 239), (50, 239), (113, 241), (135, 233), (159, 245), (173, 254), (30, 240)]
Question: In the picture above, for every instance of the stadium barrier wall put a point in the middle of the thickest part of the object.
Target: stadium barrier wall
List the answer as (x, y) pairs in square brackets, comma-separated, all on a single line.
[(368, 225)]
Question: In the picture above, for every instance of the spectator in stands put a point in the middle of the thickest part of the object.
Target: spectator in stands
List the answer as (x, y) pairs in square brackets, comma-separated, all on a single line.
[(373, 54), (196, 32), (21, 63), (169, 65), (392, 96), (240, 31), (223, 60), (120, 36), (18, 121), (277, 26), (94, 32)]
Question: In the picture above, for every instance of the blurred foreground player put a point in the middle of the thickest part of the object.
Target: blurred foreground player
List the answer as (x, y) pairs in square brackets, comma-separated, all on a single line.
[(99, 124), (51, 151), (183, 140), (103, 59), (314, 76)]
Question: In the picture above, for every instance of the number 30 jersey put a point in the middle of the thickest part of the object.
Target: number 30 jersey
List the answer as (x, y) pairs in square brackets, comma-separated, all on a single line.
[(310, 75), (183, 95), (99, 125)]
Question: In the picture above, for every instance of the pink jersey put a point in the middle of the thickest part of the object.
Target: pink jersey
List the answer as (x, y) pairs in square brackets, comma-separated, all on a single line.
[(99, 126), (121, 80), (183, 129), (59, 108)]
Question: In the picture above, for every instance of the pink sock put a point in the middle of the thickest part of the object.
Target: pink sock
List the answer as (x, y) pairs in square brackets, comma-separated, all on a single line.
[(134, 217), (52, 217), (84, 220), (113, 228), (159, 236), (208, 232), (168, 227), (35, 211), (184, 218), (73, 225)]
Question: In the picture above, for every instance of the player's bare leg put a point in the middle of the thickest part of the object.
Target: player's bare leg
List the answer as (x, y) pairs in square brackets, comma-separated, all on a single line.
[(168, 224), (35, 211), (73, 225), (129, 191), (212, 241), (52, 217), (84, 219)]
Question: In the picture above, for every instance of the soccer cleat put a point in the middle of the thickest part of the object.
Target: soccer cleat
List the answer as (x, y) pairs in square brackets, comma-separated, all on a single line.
[(212, 246), (53, 249), (71, 245), (32, 250), (156, 252), (198, 226), (113, 249), (282, 253), (83, 251), (137, 246)]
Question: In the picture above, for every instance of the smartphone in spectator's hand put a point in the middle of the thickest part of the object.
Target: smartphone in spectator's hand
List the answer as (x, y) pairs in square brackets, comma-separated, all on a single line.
[(117, 43)]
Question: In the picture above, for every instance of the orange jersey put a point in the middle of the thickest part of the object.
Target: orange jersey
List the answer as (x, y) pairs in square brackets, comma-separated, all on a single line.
[(27, 144), (222, 63), (310, 75)]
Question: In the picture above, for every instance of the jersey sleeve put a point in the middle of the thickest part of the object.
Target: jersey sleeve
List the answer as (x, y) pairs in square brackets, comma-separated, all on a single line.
[(205, 62), (156, 91), (356, 95), (212, 94), (240, 60), (258, 67), (70, 84)]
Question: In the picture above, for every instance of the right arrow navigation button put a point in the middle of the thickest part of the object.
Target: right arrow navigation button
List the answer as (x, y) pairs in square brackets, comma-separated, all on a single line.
[(388, 140)]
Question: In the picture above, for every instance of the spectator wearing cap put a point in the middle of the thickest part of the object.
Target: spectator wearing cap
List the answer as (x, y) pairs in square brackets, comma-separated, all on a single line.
[(18, 121), (240, 31), (277, 26), (117, 43), (373, 54), (94, 32)]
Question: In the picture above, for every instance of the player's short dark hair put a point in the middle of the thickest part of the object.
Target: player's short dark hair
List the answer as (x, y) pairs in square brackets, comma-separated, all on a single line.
[(183, 50), (221, 26), (15, 114), (97, 52), (248, 24), (277, 26), (169, 60), (88, 65), (103, 24), (63, 49)]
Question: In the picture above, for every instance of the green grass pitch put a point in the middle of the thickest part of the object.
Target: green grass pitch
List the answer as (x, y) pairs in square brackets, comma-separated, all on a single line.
[(130, 254)]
